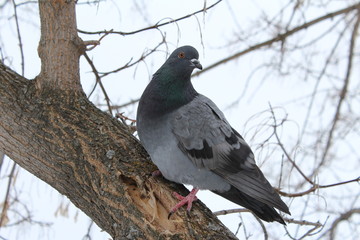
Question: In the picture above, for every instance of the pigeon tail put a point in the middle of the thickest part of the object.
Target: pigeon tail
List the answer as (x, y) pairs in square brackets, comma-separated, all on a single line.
[(260, 209)]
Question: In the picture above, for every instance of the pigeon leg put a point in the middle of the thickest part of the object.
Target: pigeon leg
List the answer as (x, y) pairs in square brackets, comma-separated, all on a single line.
[(184, 200)]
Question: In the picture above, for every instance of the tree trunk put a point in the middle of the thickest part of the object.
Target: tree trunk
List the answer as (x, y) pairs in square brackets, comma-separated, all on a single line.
[(49, 127)]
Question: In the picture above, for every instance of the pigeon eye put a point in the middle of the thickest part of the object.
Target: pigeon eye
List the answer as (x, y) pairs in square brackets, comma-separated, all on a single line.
[(181, 55)]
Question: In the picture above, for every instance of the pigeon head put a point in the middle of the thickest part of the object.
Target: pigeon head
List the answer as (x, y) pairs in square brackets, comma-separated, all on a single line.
[(184, 60), (174, 75), (171, 87)]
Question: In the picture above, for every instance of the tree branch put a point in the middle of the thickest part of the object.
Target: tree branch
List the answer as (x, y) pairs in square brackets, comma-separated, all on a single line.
[(342, 94), (98, 81), (279, 38), (52, 130), (6, 204), (342, 217), (314, 187), (60, 47), (19, 38), (284, 150), (65, 142), (155, 26)]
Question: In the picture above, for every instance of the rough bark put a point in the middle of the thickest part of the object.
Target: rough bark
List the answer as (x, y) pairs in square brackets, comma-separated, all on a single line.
[(49, 127), (60, 47)]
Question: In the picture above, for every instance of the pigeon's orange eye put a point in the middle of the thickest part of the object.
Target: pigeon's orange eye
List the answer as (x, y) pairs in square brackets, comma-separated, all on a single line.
[(181, 55)]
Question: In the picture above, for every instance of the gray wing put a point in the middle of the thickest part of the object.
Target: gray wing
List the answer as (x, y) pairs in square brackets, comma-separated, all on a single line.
[(210, 142)]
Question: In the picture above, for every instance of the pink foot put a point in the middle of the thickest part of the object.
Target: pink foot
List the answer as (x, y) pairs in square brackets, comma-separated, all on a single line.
[(184, 200)]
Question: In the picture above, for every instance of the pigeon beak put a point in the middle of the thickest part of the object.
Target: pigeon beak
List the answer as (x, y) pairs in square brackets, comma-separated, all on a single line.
[(196, 63)]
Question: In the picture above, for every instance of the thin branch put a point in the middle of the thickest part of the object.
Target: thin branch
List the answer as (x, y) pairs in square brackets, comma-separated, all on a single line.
[(123, 117), (279, 37), (100, 75), (266, 235), (129, 64), (316, 186), (284, 150), (7, 196), (98, 81), (93, 43), (117, 107), (155, 26), (27, 2), (88, 233), (230, 211), (318, 80), (19, 38), (342, 217), (289, 220), (238, 228), (342, 95), (24, 218), (310, 232), (302, 222), (2, 157), (340, 183)]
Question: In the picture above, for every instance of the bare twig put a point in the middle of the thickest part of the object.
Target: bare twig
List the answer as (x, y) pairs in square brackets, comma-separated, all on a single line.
[(7, 196), (27, 2), (266, 235), (2, 157), (117, 107), (93, 43), (316, 225), (19, 38), (238, 228), (302, 222), (310, 232), (131, 127), (88, 233), (342, 217), (316, 186), (24, 218), (342, 94), (130, 63), (121, 115), (98, 81), (155, 26), (279, 37), (285, 151), (230, 211), (100, 75), (318, 80)]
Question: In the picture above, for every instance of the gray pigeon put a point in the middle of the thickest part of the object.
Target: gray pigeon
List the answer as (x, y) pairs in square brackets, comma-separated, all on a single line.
[(191, 142)]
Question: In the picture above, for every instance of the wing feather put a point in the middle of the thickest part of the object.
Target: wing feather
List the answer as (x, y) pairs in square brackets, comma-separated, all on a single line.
[(211, 143)]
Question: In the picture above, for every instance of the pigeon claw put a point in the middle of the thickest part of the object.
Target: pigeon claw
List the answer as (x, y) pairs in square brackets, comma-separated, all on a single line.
[(156, 173), (188, 214), (170, 214), (184, 200)]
